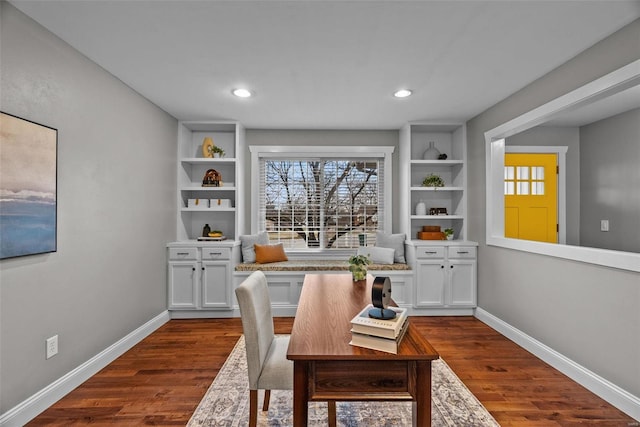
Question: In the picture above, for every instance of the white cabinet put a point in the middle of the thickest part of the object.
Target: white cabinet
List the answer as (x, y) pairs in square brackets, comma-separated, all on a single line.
[(200, 275), (445, 274), (430, 283), (449, 140), (217, 206), (215, 277), (183, 284)]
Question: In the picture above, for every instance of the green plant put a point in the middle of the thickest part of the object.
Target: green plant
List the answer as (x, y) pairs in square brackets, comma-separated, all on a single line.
[(359, 260), (214, 149), (448, 231), (218, 150), (432, 180), (358, 267)]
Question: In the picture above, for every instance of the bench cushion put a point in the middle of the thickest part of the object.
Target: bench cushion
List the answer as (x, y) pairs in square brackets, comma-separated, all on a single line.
[(314, 265)]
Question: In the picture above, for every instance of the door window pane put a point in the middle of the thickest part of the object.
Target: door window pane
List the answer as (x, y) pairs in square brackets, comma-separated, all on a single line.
[(523, 172), (537, 173), (537, 188), (509, 188), (509, 172), (523, 188)]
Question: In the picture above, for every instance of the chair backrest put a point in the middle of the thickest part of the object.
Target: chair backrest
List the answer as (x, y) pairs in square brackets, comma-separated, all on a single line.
[(257, 322)]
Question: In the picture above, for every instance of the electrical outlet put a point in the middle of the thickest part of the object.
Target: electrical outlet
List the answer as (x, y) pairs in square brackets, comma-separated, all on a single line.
[(52, 346), (604, 225)]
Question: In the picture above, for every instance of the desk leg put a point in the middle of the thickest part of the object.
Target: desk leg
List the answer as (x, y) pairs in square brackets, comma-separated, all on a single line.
[(300, 393), (422, 404)]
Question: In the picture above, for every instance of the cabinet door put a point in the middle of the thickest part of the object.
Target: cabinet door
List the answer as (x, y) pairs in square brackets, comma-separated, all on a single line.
[(216, 284), (183, 284), (429, 283), (401, 288), (462, 275)]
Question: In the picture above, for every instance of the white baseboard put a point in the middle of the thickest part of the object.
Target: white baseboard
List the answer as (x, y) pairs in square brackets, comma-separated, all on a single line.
[(616, 396), (25, 411)]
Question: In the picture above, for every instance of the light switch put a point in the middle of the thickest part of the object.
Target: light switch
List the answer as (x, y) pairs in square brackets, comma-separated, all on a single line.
[(604, 225)]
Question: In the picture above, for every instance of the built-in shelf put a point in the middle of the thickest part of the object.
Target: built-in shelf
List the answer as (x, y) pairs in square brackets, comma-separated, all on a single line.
[(208, 209), (192, 167), (437, 217), (437, 162), (437, 188), (449, 139), (217, 160), (223, 188)]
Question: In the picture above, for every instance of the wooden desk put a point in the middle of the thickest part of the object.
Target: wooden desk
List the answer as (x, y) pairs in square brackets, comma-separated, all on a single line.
[(326, 367)]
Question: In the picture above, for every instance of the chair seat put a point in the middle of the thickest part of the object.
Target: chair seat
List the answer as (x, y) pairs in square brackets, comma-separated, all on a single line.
[(277, 371)]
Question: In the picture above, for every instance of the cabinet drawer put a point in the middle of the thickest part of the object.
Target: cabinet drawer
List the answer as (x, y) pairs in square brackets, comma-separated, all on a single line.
[(462, 251), (183, 253), (215, 253), (429, 252)]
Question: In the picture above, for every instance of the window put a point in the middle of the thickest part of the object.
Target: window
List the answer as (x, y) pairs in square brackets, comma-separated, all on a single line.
[(320, 199), (518, 183)]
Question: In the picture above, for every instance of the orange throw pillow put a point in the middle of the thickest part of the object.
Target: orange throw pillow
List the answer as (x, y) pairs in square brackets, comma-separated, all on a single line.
[(270, 253)]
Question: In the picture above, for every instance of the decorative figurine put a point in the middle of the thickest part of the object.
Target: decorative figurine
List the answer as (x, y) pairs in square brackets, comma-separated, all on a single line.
[(212, 178)]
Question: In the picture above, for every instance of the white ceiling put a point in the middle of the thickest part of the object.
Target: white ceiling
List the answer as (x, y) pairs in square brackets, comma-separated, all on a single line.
[(329, 64)]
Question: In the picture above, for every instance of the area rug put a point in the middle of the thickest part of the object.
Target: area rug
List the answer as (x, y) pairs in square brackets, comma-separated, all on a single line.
[(226, 403)]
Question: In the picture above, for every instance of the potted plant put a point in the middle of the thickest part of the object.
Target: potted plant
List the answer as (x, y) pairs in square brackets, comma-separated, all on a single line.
[(358, 267), (210, 149), (216, 150), (432, 180), (448, 233)]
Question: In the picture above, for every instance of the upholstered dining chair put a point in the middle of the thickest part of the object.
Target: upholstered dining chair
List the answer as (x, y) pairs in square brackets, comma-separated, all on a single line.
[(267, 363)]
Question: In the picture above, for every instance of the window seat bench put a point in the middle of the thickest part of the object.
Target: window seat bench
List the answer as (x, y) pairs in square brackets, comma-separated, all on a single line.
[(285, 279)]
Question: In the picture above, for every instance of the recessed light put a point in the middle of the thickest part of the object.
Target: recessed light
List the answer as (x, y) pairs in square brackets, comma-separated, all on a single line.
[(402, 93), (242, 93)]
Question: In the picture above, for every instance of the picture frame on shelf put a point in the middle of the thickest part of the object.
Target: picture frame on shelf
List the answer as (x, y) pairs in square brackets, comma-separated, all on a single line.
[(438, 211)]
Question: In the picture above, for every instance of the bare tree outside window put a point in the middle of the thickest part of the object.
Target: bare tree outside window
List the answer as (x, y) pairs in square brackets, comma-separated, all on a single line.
[(321, 204)]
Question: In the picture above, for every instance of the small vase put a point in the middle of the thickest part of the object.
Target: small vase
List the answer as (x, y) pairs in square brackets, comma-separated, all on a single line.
[(431, 153), (421, 208), (358, 272)]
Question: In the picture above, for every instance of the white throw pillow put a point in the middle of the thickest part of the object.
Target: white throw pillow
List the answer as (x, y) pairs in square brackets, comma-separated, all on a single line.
[(377, 255), (247, 241), (395, 241)]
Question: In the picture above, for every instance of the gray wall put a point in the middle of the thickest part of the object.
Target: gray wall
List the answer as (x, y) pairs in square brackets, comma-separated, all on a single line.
[(316, 138), (116, 211), (588, 313), (560, 136), (610, 182)]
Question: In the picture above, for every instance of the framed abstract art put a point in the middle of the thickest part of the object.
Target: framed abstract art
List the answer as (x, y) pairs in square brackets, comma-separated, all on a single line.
[(28, 187)]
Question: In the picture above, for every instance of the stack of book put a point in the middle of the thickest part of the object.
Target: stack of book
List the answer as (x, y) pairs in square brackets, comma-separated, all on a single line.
[(378, 334)]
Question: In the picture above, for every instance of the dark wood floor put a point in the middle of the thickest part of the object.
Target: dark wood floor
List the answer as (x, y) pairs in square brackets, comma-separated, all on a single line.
[(161, 380)]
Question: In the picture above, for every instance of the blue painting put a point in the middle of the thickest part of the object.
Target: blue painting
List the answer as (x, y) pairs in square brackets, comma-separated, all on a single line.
[(28, 194)]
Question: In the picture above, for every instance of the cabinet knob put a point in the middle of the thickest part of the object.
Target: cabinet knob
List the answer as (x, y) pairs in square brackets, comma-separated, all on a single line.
[(442, 266), (451, 266), (202, 268), (193, 268)]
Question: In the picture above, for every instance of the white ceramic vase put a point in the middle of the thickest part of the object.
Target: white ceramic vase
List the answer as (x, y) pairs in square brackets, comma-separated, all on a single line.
[(431, 153)]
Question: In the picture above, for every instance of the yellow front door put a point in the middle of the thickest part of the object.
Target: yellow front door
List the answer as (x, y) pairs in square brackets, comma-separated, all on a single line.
[(530, 196)]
